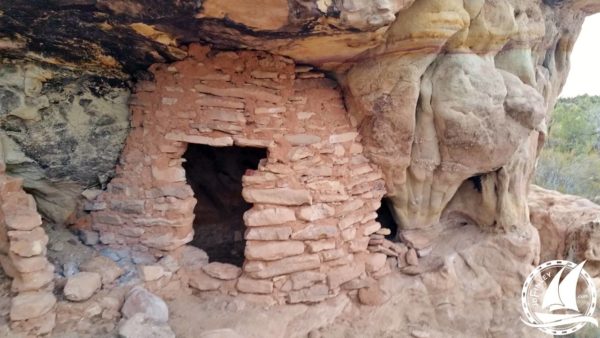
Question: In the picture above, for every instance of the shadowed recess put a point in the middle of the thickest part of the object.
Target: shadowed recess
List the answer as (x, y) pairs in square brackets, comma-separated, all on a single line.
[(385, 217), (215, 175)]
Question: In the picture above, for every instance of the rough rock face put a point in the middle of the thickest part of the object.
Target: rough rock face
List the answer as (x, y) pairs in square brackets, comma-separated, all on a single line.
[(459, 94), (62, 131), (569, 227)]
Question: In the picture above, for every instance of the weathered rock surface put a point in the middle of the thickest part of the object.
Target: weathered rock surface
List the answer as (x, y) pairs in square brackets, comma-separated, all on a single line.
[(569, 227), (141, 301), (61, 131), (82, 286), (107, 268)]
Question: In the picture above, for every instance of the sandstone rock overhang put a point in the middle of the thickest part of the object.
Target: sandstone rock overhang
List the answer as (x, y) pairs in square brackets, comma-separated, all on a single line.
[(122, 37)]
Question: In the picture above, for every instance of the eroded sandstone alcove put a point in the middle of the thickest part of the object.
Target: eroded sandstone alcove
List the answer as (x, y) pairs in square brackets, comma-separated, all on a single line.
[(215, 175)]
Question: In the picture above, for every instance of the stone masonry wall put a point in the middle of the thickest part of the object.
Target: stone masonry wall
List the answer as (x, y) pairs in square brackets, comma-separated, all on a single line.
[(314, 197), (23, 258)]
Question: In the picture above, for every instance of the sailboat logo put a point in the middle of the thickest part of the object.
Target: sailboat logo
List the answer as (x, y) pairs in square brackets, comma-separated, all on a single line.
[(559, 298)]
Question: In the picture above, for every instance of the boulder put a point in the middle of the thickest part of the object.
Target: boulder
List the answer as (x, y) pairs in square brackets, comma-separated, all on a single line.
[(222, 270), (141, 301), (108, 269), (82, 286), (200, 280)]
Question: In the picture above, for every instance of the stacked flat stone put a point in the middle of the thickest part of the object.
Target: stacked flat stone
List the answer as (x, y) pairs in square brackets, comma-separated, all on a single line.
[(314, 197), (23, 258)]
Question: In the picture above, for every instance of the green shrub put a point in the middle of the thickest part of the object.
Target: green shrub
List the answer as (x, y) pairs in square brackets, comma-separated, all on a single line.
[(570, 160)]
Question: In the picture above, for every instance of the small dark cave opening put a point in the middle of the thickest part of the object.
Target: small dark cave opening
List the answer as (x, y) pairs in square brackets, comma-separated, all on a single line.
[(476, 180), (215, 175), (386, 219)]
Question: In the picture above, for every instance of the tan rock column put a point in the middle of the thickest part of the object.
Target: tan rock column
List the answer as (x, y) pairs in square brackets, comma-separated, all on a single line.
[(23, 257)]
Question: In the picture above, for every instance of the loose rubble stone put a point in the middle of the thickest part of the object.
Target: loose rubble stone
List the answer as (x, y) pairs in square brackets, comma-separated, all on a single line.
[(371, 295), (141, 301), (192, 256), (375, 261), (411, 257), (200, 280), (222, 271), (151, 272), (384, 232), (169, 263), (82, 286), (108, 269), (89, 237)]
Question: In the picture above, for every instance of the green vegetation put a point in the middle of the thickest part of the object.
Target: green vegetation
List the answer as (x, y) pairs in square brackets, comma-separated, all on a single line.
[(570, 160)]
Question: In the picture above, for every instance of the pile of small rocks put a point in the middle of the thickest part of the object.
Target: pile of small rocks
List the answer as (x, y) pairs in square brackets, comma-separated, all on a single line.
[(23, 258)]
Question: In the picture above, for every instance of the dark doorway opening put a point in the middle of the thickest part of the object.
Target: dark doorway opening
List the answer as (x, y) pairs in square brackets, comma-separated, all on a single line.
[(215, 175), (385, 218)]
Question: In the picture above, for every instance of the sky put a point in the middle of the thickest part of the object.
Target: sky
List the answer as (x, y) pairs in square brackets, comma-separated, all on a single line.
[(584, 77)]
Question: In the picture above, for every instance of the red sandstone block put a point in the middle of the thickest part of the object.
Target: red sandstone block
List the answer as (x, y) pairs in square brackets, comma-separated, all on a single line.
[(283, 266), (330, 255), (269, 216), (168, 174), (321, 245), (272, 250), (269, 233), (281, 196), (341, 275), (345, 137), (223, 141), (359, 244), (215, 101), (316, 231), (244, 93)]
